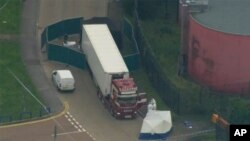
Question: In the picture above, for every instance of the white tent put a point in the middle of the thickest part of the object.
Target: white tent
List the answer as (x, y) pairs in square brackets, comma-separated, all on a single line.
[(156, 125)]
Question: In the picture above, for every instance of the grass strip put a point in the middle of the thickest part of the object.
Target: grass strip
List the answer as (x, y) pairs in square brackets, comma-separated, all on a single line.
[(14, 99), (10, 16)]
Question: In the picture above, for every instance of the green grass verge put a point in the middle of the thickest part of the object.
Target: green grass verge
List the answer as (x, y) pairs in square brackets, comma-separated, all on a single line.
[(10, 16), (14, 99), (143, 83), (128, 48), (164, 40)]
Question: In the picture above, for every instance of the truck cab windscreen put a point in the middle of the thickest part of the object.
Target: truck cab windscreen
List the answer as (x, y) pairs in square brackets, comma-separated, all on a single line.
[(126, 100)]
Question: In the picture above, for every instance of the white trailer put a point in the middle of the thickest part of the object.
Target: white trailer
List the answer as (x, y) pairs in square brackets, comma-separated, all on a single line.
[(103, 56), (116, 88)]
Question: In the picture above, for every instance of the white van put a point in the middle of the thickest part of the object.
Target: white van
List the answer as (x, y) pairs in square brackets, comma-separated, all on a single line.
[(63, 80)]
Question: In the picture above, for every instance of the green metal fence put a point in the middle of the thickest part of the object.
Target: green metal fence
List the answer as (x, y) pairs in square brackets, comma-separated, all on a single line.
[(44, 38), (69, 26), (76, 57), (60, 53), (132, 60), (203, 100), (174, 97), (66, 55), (25, 116)]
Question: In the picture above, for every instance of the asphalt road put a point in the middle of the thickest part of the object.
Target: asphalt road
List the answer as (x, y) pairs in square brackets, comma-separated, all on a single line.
[(83, 102), (31, 54), (84, 105), (51, 11), (65, 127), (89, 111)]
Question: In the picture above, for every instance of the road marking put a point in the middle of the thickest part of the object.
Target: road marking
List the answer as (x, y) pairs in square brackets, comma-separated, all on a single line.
[(72, 123), (77, 126), (66, 133), (193, 134)]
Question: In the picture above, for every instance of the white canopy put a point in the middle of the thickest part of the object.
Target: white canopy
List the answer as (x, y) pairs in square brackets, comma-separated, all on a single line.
[(156, 125)]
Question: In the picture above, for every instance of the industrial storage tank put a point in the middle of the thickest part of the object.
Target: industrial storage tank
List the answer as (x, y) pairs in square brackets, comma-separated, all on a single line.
[(219, 46)]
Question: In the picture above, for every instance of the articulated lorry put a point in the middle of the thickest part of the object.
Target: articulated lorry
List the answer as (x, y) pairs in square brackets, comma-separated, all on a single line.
[(116, 88)]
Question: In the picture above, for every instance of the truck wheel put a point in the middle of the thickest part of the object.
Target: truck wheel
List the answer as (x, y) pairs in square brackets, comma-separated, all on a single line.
[(99, 94), (112, 112), (102, 99), (134, 117)]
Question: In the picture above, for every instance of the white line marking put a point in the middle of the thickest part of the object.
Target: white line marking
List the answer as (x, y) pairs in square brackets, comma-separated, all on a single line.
[(76, 127), (72, 123), (4, 5), (194, 133), (66, 133), (21, 83)]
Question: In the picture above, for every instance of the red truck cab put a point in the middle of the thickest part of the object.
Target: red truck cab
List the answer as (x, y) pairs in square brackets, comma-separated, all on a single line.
[(125, 98)]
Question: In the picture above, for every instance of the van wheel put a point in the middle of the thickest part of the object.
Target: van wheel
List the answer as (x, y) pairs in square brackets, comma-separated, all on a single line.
[(53, 80), (57, 87)]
